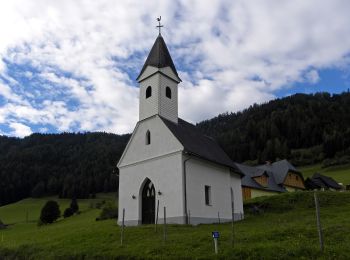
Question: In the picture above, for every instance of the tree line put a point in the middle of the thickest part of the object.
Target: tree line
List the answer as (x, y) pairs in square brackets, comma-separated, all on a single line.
[(68, 164), (302, 128)]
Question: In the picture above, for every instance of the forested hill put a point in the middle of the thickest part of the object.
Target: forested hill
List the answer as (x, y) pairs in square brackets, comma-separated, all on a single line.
[(303, 128), (66, 164)]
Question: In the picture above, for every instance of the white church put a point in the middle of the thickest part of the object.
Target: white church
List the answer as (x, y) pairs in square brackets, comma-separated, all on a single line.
[(168, 161)]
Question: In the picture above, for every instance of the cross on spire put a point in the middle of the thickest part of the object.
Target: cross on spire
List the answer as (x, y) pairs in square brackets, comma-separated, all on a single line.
[(159, 26)]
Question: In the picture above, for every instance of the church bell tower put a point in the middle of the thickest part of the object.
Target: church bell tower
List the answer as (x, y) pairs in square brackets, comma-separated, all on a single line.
[(158, 81)]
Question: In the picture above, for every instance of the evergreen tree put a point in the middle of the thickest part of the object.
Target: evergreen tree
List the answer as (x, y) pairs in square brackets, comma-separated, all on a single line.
[(74, 205)]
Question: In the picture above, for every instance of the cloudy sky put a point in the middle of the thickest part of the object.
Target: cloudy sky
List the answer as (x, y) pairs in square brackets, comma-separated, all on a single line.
[(71, 65)]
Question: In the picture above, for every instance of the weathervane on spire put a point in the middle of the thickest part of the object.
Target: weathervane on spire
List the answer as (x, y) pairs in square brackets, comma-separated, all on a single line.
[(159, 25)]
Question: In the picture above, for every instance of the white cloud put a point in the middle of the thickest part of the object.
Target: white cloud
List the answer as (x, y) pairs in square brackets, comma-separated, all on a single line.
[(232, 54), (20, 130), (312, 76)]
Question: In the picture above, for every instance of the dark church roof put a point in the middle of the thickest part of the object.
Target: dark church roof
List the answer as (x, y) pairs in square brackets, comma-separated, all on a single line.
[(159, 57), (198, 144)]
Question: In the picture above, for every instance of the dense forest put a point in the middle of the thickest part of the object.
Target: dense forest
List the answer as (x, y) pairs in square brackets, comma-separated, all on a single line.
[(70, 165), (302, 128)]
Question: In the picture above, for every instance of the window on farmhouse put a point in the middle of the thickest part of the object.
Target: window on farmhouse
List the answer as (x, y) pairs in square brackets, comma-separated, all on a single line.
[(207, 190)]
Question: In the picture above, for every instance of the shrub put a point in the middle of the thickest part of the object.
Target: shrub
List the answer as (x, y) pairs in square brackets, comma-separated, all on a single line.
[(2, 225), (68, 212), (109, 211), (50, 212)]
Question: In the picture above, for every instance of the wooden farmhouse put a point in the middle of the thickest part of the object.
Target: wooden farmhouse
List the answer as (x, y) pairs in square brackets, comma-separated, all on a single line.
[(269, 179), (322, 182)]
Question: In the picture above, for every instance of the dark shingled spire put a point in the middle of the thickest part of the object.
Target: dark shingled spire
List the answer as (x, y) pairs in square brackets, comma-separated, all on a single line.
[(159, 57)]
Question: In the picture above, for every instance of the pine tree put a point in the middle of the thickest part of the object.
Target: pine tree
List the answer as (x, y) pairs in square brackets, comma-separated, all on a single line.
[(74, 205)]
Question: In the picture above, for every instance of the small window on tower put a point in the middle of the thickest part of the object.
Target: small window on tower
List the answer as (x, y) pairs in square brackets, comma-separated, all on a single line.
[(148, 137), (148, 92), (207, 191), (168, 92)]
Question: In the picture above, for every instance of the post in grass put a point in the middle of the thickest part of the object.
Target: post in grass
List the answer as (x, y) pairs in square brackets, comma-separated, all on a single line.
[(233, 218), (122, 230), (318, 219), (165, 234), (157, 216)]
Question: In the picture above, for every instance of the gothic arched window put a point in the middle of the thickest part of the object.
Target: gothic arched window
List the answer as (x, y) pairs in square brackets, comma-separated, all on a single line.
[(148, 137), (148, 92), (168, 92)]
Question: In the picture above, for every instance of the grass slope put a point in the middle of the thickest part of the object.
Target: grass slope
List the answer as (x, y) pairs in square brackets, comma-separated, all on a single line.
[(340, 173), (285, 230)]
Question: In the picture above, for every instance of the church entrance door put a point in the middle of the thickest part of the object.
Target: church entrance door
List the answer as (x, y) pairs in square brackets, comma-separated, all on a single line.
[(148, 203)]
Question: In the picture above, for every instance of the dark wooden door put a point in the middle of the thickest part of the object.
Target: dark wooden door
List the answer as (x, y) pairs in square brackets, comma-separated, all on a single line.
[(148, 203)]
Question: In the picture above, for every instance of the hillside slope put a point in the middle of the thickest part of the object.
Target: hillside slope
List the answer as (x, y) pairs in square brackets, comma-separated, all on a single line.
[(67, 164), (285, 230), (303, 128)]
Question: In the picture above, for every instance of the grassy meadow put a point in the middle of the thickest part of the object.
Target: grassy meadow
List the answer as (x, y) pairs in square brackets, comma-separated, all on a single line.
[(340, 173), (286, 229)]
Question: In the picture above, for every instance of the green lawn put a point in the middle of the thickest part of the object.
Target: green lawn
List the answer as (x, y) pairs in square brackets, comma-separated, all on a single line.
[(340, 173), (285, 230)]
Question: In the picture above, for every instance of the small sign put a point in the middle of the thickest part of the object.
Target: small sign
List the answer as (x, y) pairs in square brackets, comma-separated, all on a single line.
[(215, 234)]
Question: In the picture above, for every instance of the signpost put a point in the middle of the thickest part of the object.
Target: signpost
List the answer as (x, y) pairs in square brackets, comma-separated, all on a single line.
[(215, 235)]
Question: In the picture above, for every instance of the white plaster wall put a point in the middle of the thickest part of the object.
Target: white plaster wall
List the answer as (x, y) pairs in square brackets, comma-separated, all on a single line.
[(236, 186), (148, 72), (200, 173), (166, 174), (168, 107), (150, 106), (162, 142), (151, 70), (158, 103)]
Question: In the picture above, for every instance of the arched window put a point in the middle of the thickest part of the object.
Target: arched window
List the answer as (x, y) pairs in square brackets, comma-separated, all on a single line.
[(168, 92), (148, 92), (148, 137)]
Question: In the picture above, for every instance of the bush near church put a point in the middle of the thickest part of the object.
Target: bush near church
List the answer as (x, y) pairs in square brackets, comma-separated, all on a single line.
[(50, 212), (109, 211), (68, 212)]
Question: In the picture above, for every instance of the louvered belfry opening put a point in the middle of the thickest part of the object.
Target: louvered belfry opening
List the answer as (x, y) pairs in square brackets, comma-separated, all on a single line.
[(148, 203)]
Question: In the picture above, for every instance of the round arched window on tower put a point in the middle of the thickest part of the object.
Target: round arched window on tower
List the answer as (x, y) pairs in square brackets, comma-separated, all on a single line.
[(168, 92), (148, 92)]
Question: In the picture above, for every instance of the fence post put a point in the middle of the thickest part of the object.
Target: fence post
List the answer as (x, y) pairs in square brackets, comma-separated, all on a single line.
[(122, 231), (219, 217), (318, 219), (164, 224), (233, 217), (157, 216)]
